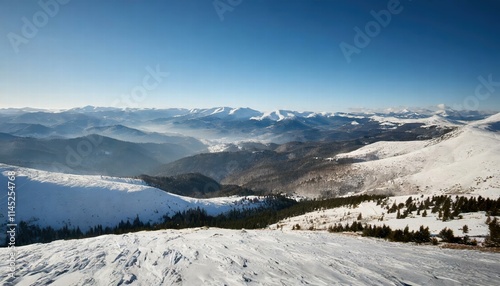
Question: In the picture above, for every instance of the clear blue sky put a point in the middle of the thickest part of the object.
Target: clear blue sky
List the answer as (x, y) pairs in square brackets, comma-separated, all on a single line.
[(265, 54)]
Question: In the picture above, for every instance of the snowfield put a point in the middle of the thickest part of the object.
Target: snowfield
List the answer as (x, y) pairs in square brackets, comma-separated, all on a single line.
[(56, 200), (244, 257), (427, 121), (466, 160), (372, 213)]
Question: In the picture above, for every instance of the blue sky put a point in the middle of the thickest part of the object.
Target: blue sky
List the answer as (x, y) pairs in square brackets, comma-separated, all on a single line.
[(264, 54)]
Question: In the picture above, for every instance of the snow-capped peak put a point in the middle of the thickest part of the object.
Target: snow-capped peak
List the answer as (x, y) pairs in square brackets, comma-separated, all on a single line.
[(278, 115), (244, 112)]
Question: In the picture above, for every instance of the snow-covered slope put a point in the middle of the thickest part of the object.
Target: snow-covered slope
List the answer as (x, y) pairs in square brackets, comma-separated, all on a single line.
[(374, 214), (257, 257), (465, 160), (56, 199), (384, 149), (229, 113), (436, 120), (278, 115)]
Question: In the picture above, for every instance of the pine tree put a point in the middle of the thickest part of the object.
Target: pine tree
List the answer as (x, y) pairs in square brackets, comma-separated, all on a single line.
[(447, 235), (465, 229), (408, 202), (368, 230), (446, 209), (422, 235), (137, 222), (406, 234), (397, 235), (393, 208), (493, 238)]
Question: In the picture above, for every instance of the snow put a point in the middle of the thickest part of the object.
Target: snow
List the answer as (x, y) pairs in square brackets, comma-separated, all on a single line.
[(276, 115), (484, 124), (318, 114), (463, 161), (226, 112), (246, 257), (435, 120), (279, 115), (243, 113), (219, 110), (58, 199), (371, 214), (466, 160), (384, 149), (218, 148)]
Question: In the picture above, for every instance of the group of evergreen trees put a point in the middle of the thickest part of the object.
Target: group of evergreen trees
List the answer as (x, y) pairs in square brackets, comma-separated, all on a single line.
[(30, 233), (276, 208), (447, 209), (273, 209), (445, 206), (422, 235)]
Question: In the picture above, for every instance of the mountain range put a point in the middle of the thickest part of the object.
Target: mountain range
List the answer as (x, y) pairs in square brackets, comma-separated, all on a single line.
[(88, 169), (236, 146), (219, 123)]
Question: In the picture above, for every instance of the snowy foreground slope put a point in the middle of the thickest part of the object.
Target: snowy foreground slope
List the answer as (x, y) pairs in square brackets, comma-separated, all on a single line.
[(466, 160), (56, 199), (239, 257)]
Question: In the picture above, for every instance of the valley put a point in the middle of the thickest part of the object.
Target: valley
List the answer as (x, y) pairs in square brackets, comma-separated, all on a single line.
[(162, 181)]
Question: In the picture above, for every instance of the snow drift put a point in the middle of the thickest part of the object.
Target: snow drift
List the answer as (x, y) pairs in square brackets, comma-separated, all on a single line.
[(257, 257)]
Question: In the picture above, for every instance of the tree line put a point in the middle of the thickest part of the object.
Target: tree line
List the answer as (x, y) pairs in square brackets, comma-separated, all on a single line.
[(273, 209), (445, 206), (276, 208)]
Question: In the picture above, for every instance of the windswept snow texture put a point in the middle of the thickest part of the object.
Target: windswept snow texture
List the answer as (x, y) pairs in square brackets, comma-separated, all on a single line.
[(259, 257), (56, 200)]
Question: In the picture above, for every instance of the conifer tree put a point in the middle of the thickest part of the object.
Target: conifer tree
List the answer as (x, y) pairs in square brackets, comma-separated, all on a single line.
[(493, 238), (447, 235), (424, 214)]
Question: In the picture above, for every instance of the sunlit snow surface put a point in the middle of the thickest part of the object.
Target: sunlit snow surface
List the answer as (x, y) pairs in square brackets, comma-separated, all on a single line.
[(466, 160), (371, 213), (56, 200), (252, 257)]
